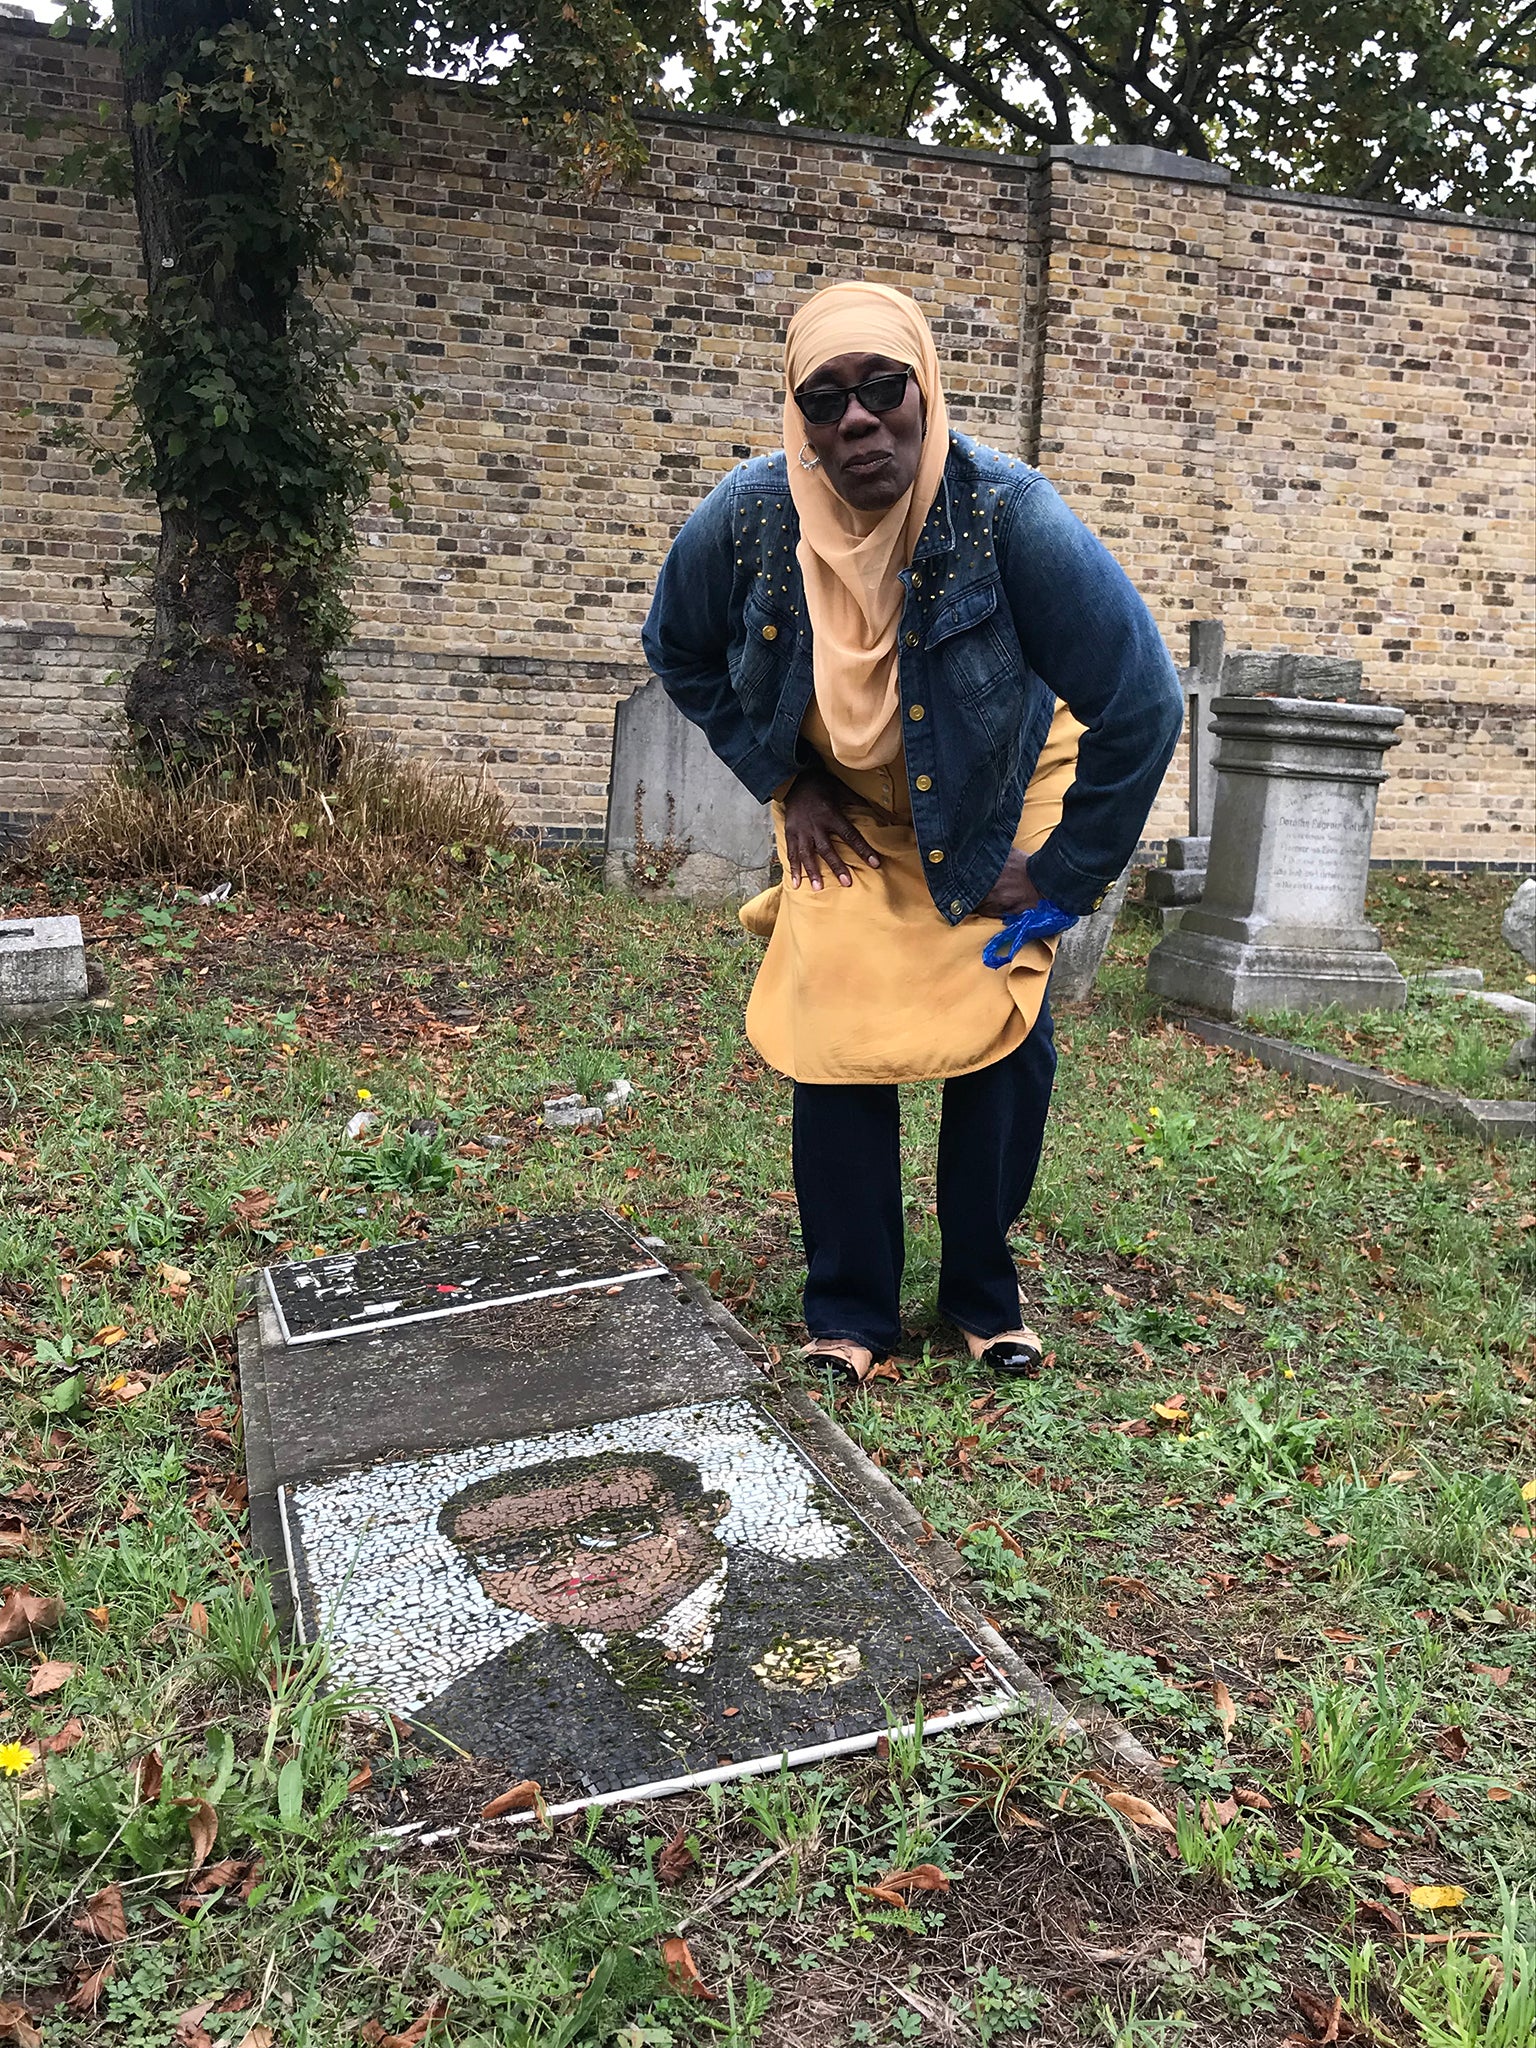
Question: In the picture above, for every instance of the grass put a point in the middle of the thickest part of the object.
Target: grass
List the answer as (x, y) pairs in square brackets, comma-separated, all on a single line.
[(1264, 1505), (1438, 1039)]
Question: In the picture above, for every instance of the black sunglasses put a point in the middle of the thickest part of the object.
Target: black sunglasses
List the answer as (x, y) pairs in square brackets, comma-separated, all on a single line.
[(825, 403)]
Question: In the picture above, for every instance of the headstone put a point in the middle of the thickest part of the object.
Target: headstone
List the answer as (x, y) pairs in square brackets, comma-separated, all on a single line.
[(1452, 977), (42, 967), (1080, 950), (540, 1505), (1281, 924), (1207, 646), (1186, 856), (1519, 925), (679, 823)]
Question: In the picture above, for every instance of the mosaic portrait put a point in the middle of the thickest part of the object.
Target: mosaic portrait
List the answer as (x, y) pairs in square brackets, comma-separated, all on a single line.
[(630, 1602)]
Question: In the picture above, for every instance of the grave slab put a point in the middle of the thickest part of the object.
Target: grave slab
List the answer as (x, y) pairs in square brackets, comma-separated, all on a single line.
[(568, 1534), (381, 1288), (42, 967)]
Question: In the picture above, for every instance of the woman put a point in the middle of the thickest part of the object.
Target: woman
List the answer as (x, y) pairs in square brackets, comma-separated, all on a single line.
[(961, 712)]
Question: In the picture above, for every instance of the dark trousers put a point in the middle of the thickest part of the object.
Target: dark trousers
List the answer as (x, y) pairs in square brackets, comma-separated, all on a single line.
[(847, 1148)]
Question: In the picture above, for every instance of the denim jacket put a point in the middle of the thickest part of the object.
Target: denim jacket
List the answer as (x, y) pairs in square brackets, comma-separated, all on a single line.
[(1010, 604)]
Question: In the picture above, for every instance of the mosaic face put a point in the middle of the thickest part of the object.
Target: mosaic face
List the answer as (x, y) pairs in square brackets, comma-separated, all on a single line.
[(635, 1601), (607, 1543)]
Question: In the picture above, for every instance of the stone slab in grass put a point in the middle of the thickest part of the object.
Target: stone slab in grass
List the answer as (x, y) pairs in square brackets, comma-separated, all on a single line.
[(1492, 1120), (42, 968), (575, 1536)]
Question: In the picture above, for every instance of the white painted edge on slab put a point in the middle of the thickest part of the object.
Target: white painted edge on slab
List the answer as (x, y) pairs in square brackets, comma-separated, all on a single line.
[(752, 1767), (462, 1308), (295, 1598)]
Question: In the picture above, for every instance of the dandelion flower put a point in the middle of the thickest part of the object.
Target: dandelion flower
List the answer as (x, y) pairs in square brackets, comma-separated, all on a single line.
[(365, 1095), (15, 1757)]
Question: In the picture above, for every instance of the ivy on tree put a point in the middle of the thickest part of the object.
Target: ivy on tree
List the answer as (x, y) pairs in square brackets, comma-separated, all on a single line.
[(1416, 101), (248, 130)]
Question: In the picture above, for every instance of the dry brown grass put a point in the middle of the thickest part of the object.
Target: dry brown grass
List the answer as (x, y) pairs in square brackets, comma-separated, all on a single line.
[(379, 822)]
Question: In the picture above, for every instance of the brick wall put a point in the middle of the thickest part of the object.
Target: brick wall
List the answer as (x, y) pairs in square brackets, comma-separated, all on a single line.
[(1301, 417)]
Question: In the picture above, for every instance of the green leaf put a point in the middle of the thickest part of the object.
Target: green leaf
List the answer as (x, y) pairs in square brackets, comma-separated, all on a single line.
[(290, 1793)]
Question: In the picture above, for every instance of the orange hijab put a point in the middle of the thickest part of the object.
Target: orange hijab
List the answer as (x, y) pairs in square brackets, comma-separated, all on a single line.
[(851, 561)]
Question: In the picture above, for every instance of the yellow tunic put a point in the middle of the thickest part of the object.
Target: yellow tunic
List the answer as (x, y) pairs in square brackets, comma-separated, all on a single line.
[(871, 983)]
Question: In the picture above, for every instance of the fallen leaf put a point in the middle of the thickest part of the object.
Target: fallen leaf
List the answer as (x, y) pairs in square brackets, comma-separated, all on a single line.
[(102, 1616), (1321, 2014), (418, 2030), (196, 1619), (1009, 1543), (1254, 1801), (47, 1677), (523, 1797), (103, 1918), (252, 1206), (25, 1615), (86, 1993), (150, 1775), (109, 1334), (1496, 1674), (1452, 1742), (361, 1780), (1140, 1813), (103, 1262), (675, 1860), (259, 2036), (202, 1826), (189, 2030), (174, 1279), (682, 1971), (64, 1740), (1399, 1887), (1498, 1794), (894, 1886), (216, 1877), (1226, 1709), (16, 2025), (1381, 1911), (1436, 1898)]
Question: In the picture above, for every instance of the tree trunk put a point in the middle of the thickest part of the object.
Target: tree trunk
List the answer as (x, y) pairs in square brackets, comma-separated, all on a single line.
[(235, 671)]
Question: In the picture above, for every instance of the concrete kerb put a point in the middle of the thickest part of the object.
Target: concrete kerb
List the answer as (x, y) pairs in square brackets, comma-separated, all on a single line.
[(1491, 1121)]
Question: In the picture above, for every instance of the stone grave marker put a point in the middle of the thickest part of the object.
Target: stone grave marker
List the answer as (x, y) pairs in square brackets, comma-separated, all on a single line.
[(541, 1505), (1281, 923), (42, 968), (1181, 878), (1080, 950), (679, 823)]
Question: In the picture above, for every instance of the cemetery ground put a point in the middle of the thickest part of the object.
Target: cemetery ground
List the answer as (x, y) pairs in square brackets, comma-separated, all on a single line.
[(1268, 1505)]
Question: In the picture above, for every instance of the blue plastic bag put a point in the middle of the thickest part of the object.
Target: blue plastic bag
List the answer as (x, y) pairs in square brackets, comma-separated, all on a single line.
[(1043, 921)]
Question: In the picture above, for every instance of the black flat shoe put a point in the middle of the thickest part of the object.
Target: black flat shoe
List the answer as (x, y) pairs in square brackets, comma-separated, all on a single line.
[(834, 1362), (1009, 1355)]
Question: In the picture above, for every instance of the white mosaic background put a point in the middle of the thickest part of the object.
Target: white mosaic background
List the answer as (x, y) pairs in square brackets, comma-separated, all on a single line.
[(402, 1612)]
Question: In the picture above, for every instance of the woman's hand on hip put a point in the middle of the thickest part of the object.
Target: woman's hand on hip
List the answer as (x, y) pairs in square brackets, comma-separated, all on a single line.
[(1012, 892), (815, 818)]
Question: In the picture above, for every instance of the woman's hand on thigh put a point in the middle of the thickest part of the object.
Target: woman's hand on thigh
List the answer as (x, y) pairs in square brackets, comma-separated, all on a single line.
[(815, 819)]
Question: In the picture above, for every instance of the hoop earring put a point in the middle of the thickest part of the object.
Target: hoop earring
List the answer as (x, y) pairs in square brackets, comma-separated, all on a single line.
[(815, 461)]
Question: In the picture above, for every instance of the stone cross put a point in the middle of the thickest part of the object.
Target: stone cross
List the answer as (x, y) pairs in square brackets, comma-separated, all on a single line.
[(1207, 645)]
